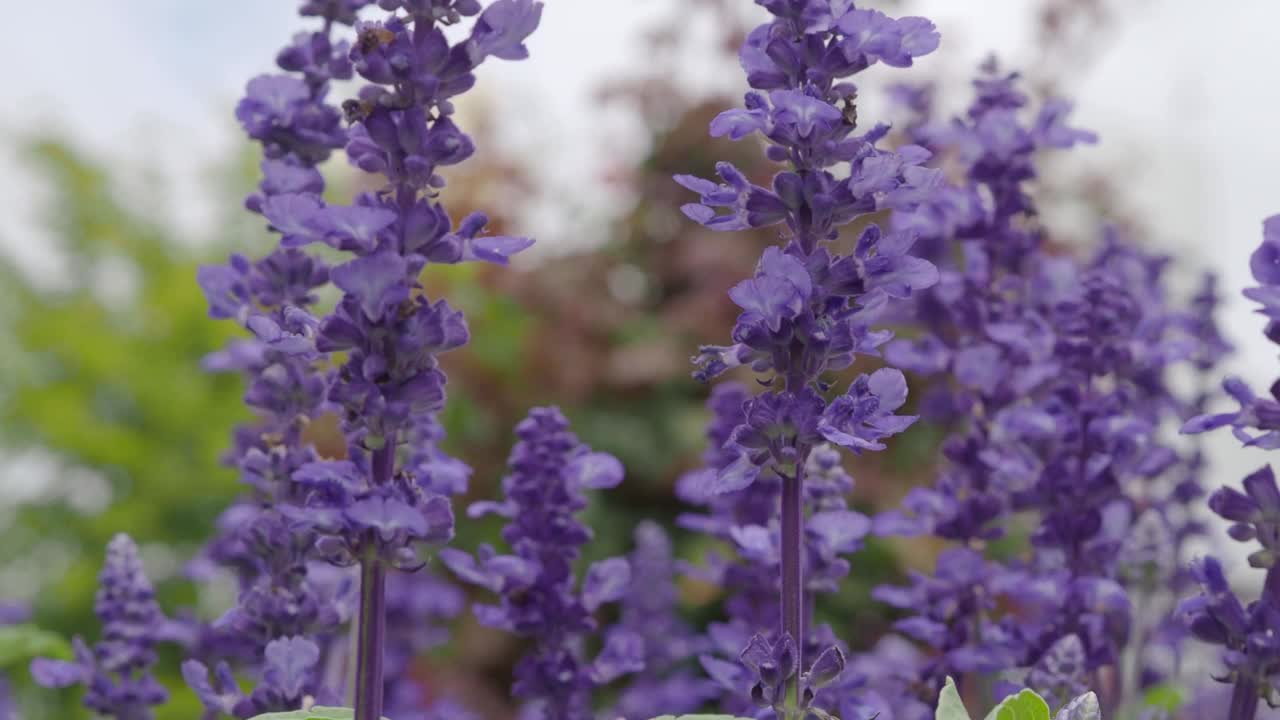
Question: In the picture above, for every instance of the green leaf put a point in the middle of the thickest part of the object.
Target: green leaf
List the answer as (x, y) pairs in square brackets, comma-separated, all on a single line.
[(950, 706), (1165, 695), (20, 643), (315, 713), (1026, 705)]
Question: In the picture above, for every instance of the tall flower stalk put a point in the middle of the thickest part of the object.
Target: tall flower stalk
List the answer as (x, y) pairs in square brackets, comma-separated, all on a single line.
[(809, 311), (1053, 373), (373, 508), (1247, 633)]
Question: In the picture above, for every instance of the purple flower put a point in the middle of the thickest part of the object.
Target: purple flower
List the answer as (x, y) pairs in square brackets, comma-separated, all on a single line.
[(665, 684), (1254, 514), (1255, 414), (1251, 653), (807, 312), (376, 506), (549, 470), (861, 417), (117, 670), (502, 29), (281, 112)]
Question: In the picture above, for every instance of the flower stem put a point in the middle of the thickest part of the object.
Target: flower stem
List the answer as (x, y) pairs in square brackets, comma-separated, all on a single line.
[(1244, 700), (792, 576), (372, 632)]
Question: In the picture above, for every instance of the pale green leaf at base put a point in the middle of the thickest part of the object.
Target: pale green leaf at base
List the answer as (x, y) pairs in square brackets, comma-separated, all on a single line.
[(1026, 705), (950, 706), (315, 713)]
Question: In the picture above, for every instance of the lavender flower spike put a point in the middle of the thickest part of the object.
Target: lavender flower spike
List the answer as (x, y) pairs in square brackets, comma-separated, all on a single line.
[(1247, 633), (808, 311), (540, 599), (117, 670)]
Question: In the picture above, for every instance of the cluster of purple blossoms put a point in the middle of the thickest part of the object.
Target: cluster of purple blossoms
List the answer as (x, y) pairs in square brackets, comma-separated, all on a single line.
[(117, 671), (808, 312), (1247, 633), (287, 622), (378, 505), (1049, 371), (747, 521), (540, 598), (666, 684), (1053, 374)]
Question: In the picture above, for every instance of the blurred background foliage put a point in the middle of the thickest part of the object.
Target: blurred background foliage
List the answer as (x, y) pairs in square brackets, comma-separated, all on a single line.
[(108, 423)]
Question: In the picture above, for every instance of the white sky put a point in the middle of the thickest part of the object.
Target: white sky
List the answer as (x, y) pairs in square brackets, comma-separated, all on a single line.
[(1187, 88)]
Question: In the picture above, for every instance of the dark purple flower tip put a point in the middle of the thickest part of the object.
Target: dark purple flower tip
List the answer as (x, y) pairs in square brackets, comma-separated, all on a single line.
[(1231, 504), (1261, 488), (606, 581), (1218, 612)]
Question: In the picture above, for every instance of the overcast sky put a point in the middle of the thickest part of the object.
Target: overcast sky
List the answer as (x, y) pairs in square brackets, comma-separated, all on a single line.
[(1187, 90)]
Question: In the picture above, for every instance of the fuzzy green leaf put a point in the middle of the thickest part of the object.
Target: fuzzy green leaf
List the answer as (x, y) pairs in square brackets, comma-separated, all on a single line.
[(1026, 705), (950, 706)]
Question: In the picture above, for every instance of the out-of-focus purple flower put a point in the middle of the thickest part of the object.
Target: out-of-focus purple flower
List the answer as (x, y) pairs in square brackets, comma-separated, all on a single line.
[(1052, 372), (117, 671), (666, 684), (549, 470)]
